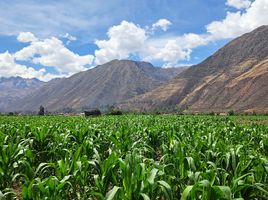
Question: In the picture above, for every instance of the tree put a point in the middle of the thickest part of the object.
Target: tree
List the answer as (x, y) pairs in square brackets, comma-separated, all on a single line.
[(41, 110)]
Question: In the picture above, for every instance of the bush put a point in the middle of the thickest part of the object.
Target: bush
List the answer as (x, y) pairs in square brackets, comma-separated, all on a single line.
[(95, 112), (10, 114), (231, 113), (115, 112), (212, 113)]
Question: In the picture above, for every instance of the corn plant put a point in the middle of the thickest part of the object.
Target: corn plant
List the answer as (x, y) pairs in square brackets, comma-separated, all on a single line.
[(133, 157)]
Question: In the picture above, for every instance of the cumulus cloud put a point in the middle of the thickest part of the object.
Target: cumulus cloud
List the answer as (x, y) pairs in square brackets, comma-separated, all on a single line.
[(26, 37), (161, 23), (49, 52), (124, 39), (239, 4), (8, 67), (238, 23), (192, 40), (170, 52), (127, 39), (52, 53)]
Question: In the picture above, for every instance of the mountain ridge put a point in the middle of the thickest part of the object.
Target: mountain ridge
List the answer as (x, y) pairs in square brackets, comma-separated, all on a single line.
[(16, 88), (207, 86), (104, 85)]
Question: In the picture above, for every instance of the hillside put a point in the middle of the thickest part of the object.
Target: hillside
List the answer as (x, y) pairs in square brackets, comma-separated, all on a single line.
[(15, 88), (104, 85), (234, 78)]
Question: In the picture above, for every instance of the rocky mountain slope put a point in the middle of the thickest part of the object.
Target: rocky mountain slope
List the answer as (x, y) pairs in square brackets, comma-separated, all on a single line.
[(104, 85), (15, 88), (234, 78)]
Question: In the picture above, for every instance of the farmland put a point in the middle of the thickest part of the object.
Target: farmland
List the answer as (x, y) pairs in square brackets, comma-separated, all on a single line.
[(133, 157)]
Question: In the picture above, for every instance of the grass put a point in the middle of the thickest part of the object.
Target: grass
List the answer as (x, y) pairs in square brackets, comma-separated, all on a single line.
[(133, 157)]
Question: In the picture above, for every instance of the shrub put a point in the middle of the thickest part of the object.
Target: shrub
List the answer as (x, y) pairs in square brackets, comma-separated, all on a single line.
[(115, 112), (231, 113), (95, 112)]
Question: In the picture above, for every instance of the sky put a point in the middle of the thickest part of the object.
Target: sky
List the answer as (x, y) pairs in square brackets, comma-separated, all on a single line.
[(50, 39)]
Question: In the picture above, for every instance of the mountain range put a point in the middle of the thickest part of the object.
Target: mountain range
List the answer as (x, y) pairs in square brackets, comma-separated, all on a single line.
[(14, 89), (233, 78), (102, 86)]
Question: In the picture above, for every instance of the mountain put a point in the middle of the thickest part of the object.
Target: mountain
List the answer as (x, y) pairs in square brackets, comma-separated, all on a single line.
[(15, 88), (234, 78), (104, 85)]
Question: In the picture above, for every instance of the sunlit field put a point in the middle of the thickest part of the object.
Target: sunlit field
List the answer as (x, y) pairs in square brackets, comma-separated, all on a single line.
[(133, 157)]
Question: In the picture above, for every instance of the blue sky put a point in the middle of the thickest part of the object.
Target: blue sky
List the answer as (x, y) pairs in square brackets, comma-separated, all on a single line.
[(48, 39)]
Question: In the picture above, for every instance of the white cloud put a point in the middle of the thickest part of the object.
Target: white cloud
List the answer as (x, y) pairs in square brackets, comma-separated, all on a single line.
[(8, 67), (171, 52), (127, 39), (52, 53), (238, 4), (69, 37), (238, 23), (49, 52), (192, 40), (26, 37), (161, 23), (124, 39)]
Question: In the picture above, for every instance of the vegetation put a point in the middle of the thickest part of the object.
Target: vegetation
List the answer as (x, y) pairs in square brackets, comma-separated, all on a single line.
[(95, 112), (133, 157), (41, 111), (115, 112)]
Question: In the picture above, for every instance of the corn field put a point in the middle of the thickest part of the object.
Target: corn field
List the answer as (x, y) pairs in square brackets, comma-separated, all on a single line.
[(132, 157)]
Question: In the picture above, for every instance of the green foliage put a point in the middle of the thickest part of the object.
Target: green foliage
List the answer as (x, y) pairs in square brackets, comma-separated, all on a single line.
[(231, 113), (41, 111), (133, 157), (115, 112), (10, 114)]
